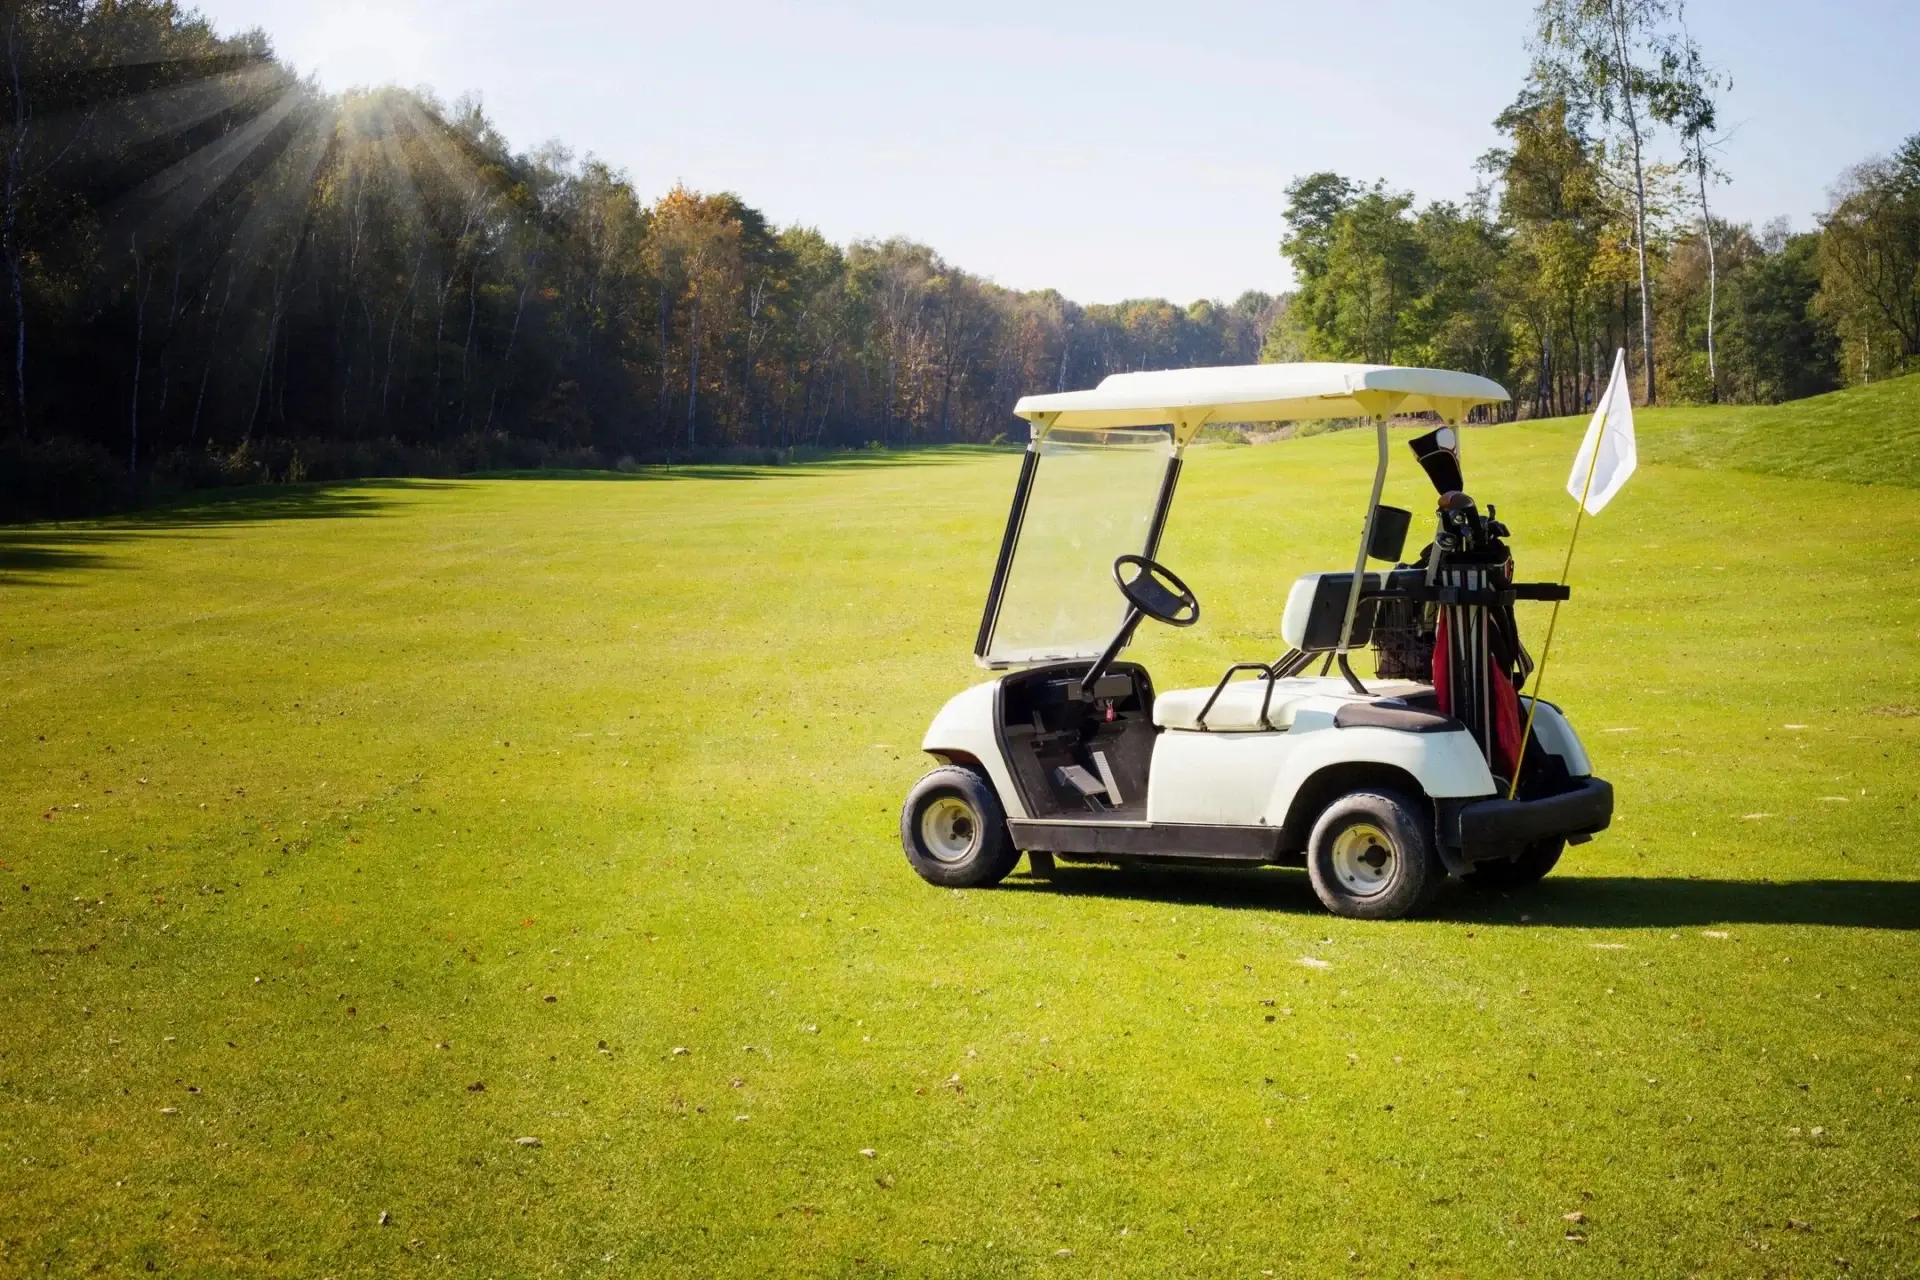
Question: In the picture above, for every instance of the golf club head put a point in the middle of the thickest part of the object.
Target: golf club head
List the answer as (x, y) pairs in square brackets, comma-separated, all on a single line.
[(1439, 455)]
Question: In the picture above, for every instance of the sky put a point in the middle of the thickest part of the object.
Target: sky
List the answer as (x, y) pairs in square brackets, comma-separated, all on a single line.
[(1108, 150)]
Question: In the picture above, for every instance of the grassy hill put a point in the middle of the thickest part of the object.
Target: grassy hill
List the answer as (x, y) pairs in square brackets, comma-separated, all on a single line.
[(1863, 435), (353, 837)]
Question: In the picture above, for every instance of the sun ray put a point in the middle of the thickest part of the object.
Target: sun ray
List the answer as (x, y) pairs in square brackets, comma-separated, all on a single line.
[(160, 206), (454, 163), (123, 123), (287, 198)]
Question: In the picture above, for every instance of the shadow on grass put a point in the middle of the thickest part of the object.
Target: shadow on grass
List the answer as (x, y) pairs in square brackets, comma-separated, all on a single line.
[(1585, 902), (824, 465), (46, 554), (40, 560)]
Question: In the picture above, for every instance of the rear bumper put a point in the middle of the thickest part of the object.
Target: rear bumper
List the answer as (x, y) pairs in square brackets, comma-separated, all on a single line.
[(1496, 828)]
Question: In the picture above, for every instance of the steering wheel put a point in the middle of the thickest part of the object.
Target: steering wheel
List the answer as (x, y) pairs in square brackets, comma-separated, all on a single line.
[(1155, 592)]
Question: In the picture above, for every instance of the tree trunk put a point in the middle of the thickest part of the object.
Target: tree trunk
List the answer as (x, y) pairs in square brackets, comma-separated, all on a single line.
[(266, 361), (439, 340), (213, 347), (393, 330), (466, 347), (506, 360), (139, 349), (16, 161), (166, 342), (1639, 195), (886, 411), (693, 373), (1713, 267), (661, 359)]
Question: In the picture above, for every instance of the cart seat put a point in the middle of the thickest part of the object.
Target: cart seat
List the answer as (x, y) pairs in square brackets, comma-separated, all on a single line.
[(1238, 707)]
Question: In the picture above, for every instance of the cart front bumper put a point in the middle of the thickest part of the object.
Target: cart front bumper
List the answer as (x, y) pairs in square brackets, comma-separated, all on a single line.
[(1497, 828)]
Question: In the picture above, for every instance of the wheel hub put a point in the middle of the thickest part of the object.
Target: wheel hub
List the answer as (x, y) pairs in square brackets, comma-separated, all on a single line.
[(1363, 859), (949, 828)]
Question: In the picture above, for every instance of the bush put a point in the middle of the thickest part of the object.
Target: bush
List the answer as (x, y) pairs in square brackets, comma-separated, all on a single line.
[(61, 479)]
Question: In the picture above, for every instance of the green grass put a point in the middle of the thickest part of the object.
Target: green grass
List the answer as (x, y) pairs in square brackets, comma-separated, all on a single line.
[(1863, 435), (324, 807)]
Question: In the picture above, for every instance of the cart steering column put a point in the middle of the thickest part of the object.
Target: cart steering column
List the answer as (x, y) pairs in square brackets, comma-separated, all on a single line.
[(1152, 592)]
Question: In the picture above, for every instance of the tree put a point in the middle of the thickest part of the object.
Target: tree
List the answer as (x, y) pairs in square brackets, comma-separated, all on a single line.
[(1361, 267), (1870, 258), (700, 236), (1557, 269), (1613, 53), (1782, 345), (1683, 99), (1463, 312), (1313, 202)]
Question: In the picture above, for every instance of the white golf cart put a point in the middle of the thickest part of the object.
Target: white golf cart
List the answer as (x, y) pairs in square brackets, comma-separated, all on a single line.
[(1380, 788)]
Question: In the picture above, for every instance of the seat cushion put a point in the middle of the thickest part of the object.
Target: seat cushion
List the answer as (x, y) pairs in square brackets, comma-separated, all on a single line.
[(1238, 710)]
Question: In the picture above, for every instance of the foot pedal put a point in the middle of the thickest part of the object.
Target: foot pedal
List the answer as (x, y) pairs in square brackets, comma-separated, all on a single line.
[(1073, 776)]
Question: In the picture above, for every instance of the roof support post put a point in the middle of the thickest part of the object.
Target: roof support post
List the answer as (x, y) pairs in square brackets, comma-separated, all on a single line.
[(1381, 405), (1186, 425)]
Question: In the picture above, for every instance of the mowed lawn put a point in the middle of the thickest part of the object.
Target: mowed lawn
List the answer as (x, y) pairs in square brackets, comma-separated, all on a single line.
[(354, 836)]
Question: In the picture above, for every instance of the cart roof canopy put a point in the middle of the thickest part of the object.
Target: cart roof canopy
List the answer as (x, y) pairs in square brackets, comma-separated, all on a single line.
[(1187, 399)]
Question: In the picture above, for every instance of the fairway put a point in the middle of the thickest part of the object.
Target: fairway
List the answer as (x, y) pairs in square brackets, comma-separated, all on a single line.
[(355, 836)]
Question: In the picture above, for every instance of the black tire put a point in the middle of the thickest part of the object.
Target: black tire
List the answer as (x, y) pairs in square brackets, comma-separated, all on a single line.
[(1371, 856), (1506, 874), (954, 830)]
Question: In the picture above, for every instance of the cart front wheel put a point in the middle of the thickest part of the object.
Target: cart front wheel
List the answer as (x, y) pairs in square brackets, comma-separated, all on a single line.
[(1371, 856), (954, 830)]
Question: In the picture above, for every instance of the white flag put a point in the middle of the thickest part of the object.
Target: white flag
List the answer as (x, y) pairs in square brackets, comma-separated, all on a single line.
[(1610, 434)]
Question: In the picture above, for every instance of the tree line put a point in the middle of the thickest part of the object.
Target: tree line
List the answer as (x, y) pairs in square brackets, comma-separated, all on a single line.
[(216, 270), (211, 271), (1579, 238)]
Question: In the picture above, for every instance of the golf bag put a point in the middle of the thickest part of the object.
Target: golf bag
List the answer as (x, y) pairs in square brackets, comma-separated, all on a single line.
[(1471, 640)]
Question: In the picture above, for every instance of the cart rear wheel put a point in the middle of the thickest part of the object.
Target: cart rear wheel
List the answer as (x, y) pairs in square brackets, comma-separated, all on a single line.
[(1371, 856), (954, 830), (1530, 868)]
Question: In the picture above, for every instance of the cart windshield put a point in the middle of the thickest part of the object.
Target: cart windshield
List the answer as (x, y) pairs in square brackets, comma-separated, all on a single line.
[(1091, 499)]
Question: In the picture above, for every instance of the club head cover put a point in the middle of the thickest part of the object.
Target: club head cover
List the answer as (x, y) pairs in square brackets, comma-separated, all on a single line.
[(1439, 455)]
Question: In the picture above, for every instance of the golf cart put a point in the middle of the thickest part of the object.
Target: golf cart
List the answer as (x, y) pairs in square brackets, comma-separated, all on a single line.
[(1381, 787)]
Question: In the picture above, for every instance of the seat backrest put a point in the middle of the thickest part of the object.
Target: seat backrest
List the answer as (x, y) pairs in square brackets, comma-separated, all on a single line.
[(1317, 605)]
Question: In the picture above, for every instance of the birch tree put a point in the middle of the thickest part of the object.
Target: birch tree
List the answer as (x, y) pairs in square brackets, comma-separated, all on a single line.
[(1685, 101), (1613, 53)]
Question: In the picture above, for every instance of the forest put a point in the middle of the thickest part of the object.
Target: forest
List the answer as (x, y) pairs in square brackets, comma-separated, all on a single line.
[(217, 273)]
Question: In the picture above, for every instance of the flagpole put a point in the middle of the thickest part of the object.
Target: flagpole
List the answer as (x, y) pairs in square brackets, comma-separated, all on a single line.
[(1546, 649)]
